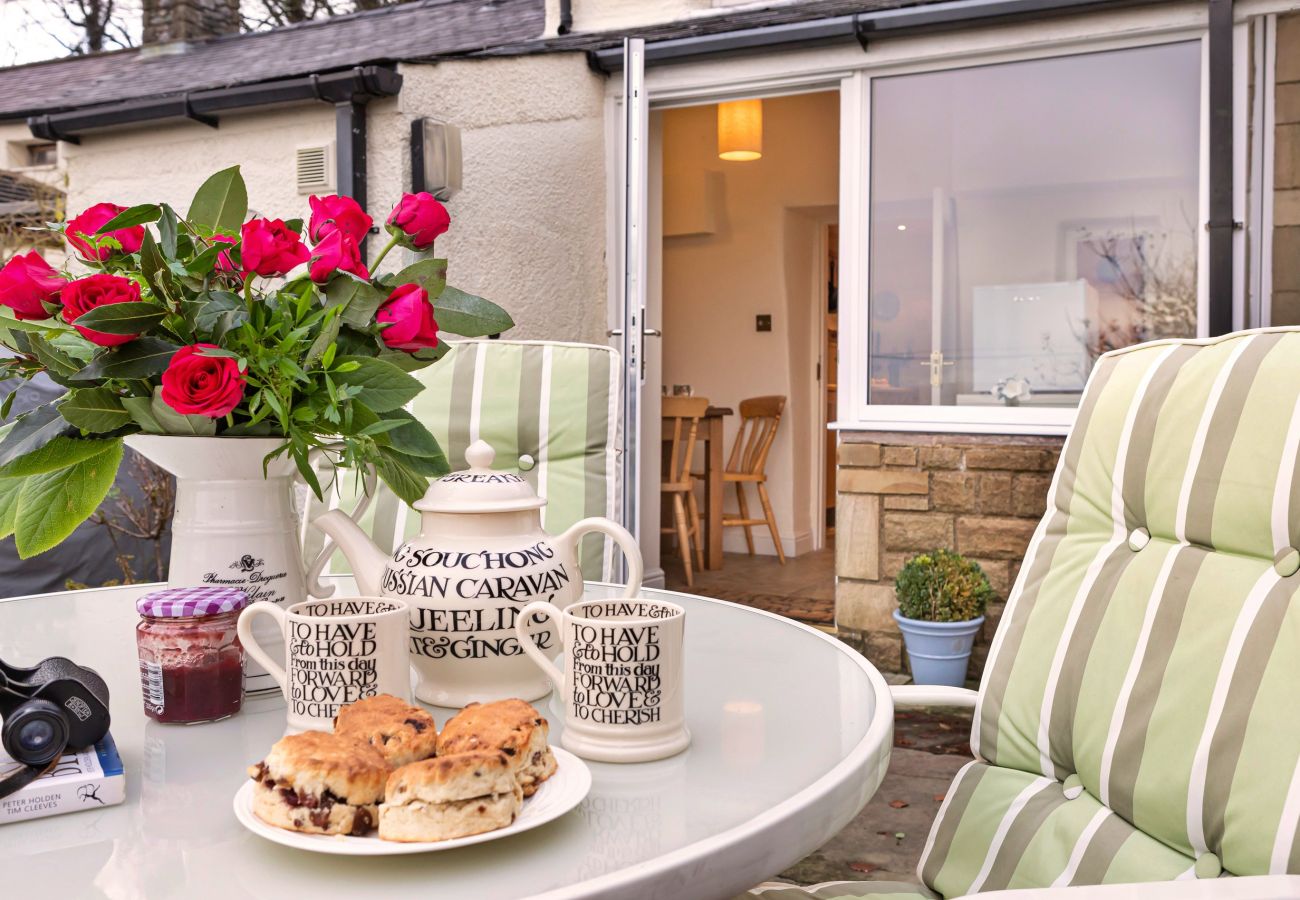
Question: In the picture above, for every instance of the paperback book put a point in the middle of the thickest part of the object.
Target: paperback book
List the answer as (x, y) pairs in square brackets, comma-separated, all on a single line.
[(82, 779)]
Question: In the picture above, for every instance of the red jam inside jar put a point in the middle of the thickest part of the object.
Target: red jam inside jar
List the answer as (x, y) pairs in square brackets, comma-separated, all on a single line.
[(191, 666)]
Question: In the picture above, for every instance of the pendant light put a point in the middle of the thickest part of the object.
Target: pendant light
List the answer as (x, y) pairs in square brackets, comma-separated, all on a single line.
[(740, 130)]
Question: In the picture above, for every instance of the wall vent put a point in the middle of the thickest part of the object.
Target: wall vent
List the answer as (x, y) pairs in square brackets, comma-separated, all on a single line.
[(315, 169)]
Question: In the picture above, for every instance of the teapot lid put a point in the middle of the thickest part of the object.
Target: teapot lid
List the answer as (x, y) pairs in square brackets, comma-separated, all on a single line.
[(480, 488)]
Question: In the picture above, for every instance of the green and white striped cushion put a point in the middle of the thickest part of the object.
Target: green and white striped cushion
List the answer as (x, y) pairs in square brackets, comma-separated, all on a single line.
[(840, 890), (1164, 672), (554, 402)]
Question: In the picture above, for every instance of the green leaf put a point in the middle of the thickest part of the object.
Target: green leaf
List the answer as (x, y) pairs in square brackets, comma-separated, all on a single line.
[(142, 358), (167, 231), (154, 267), (173, 422), (420, 465), (384, 387), (55, 361), (9, 323), (413, 438), (206, 261), (405, 483), (141, 410), (323, 343), (221, 313), (129, 218), (411, 362), (51, 505), (469, 316), (122, 318), (221, 202), (360, 300), (57, 454), (96, 410), (430, 274), (32, 431), (10, 488)]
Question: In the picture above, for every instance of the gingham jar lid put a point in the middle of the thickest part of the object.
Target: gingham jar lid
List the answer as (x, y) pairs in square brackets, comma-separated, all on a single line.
[(191, 602)]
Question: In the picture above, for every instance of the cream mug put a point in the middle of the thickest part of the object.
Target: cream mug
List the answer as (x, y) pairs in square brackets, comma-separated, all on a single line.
[(337, 651), (622, 681)]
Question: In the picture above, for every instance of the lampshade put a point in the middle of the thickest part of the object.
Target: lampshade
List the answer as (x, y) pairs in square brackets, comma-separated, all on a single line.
[(740, 130)]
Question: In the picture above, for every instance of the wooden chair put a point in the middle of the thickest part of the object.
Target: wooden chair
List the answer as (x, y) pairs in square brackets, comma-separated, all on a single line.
[(685, 414), (759, 419)]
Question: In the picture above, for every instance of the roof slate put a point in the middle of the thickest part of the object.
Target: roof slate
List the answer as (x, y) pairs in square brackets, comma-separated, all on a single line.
[(420, 29)]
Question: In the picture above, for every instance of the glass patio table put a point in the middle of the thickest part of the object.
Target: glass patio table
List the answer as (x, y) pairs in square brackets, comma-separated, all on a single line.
[(791, 736)]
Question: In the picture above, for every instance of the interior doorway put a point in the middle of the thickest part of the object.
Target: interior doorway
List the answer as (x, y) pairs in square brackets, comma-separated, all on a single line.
[(745, 287)]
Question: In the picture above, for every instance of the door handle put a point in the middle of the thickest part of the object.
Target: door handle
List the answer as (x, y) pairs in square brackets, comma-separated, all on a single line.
[(646, 332)]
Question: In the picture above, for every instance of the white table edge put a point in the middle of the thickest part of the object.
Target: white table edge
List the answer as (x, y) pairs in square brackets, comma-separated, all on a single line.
[(878, 735)]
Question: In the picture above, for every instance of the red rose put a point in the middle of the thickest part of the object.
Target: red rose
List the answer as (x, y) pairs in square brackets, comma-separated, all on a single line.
[(335, 213), (417, 220), (26, 282), (337, 253), (270, 248), (81, 232), (84, 294), (198, 385), (224, 262), (411, 316)]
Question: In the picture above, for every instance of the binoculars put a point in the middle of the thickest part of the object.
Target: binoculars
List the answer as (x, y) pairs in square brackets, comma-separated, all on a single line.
[(48, 708)]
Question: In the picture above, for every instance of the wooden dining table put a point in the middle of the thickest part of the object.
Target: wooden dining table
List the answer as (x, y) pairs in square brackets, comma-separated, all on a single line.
[(710, 437)]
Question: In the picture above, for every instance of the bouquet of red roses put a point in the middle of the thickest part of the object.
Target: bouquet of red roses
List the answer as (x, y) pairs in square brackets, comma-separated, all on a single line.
[(207, 324)]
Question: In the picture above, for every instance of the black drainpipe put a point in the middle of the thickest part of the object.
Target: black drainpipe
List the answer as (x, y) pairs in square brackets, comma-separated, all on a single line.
[(566, 17), (1221, 224)]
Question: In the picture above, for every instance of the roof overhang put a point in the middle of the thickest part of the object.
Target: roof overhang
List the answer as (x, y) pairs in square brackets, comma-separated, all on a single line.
[(358, 84), (860, 27)]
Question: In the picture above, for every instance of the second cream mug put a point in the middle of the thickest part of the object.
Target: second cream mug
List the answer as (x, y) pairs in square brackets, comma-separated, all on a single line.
[(622, 684)]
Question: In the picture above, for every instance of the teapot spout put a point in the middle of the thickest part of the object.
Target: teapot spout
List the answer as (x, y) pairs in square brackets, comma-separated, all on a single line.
[(366, 559)]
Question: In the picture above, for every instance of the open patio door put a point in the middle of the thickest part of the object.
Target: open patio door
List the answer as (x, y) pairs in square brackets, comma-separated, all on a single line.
[(634, 163)]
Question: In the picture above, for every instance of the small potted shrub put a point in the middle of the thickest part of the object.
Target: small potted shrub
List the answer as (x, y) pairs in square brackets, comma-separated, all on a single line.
[(941, 601)]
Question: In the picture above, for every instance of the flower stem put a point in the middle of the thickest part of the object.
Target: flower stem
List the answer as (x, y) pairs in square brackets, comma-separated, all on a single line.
[(382, 253)]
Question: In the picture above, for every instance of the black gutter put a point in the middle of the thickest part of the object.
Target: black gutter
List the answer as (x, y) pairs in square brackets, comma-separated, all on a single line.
[(361, 83), (1221, 224), (857, 27)]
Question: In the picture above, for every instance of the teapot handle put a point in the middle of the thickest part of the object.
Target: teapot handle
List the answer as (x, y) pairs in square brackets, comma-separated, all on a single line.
[(621, 536), (314, 586)]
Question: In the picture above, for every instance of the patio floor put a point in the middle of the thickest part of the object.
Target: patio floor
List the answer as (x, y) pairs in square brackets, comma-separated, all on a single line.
[(803, 589)]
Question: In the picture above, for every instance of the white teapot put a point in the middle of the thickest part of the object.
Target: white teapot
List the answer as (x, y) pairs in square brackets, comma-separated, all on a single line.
[(481, 556)]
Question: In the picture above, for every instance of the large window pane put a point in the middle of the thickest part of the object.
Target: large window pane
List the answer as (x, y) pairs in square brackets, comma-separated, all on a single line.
[(1027, 217)]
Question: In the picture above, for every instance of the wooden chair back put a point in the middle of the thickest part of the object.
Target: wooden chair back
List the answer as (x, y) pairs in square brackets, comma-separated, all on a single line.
[(759, 419), (685, 413)]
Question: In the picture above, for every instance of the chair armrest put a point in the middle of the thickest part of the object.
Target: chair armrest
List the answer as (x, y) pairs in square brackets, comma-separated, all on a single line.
[(910, 695), (1251, 887)]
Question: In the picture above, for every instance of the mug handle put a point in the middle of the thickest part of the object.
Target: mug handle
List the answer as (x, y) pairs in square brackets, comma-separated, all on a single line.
[(621, 536), (245, 631), (315, 588), (526, 639)]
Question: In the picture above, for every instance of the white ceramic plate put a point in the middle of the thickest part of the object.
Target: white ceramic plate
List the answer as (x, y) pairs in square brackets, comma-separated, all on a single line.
[(558, 794)]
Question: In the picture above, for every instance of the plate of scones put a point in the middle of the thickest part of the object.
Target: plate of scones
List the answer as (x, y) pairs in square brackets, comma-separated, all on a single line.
[(386, 781)]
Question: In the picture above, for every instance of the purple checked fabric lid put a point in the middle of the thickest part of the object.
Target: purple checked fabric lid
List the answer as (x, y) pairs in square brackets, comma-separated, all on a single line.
[(189, 602)]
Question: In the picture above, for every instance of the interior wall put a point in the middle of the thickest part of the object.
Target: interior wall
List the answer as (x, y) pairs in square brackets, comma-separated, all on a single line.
[(753, 253)]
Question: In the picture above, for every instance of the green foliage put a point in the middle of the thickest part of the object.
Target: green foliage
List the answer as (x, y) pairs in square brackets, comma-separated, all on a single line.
[(316, 371), (942, 586)]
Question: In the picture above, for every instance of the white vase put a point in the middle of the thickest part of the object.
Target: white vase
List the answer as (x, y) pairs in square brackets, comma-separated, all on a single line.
[(235, 525)]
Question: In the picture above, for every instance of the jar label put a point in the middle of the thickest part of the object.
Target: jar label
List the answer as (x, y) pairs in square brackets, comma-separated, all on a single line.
[(151, 684)]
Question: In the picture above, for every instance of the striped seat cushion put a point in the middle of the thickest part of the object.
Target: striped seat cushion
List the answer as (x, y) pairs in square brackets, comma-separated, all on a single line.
[(1002, 828), (840, 890), (1151, 644)]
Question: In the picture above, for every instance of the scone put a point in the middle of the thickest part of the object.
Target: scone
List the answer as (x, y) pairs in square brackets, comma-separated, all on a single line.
[(511, 726), (320, 783), (402, 732), (450, 797)]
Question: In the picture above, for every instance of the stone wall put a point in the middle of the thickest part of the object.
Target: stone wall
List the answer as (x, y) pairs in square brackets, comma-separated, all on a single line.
[(1286, 174), (904, 493)]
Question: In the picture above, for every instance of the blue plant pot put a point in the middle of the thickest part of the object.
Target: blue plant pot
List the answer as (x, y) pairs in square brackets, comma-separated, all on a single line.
[(938, 651)]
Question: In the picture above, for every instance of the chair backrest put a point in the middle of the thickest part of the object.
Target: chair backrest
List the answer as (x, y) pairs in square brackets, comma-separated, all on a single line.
[(760, 417), (683, 414), (1151, 643), (549, 409)]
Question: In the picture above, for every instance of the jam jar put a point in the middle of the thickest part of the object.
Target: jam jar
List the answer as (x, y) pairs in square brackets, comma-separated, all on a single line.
[(191, 661)]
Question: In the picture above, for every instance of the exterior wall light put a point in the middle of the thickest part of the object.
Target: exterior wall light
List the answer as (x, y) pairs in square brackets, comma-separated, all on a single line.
[(740, 130), (435, 158)]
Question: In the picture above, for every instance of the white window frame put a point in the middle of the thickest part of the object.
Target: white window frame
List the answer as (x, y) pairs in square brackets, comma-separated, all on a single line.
[(848, 69)]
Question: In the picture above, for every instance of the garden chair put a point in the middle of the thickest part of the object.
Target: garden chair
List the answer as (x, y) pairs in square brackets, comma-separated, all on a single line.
[(1136, 721), (550, 410)]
